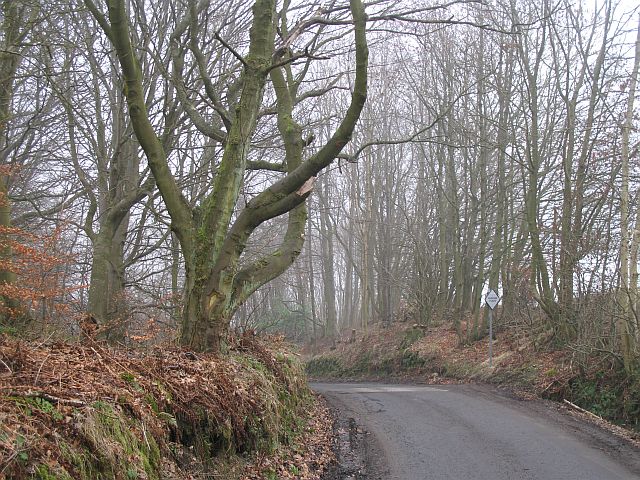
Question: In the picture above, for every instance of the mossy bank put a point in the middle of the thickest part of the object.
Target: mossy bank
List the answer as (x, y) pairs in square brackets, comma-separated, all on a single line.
[(382, 353), (89, 412)]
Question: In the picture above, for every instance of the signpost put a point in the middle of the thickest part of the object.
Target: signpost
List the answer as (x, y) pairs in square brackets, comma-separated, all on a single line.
[(491, 300)]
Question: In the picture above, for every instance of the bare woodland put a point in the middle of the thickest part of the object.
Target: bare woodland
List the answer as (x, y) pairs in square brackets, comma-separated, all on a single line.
[(179, 168)]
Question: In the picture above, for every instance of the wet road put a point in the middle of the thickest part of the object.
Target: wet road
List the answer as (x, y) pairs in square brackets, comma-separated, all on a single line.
[(472, 432)]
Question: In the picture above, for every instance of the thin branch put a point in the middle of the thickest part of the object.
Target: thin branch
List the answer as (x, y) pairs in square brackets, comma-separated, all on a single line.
[(50, 398), (100, 18), (293, 58), (265, 165), (353, 158), (230, 48)]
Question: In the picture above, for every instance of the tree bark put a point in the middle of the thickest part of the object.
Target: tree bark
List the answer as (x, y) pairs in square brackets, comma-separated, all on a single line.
[(211, 243), (628, 291)]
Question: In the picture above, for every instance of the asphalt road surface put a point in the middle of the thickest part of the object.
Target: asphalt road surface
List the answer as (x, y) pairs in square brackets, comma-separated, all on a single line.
[(472, 432)]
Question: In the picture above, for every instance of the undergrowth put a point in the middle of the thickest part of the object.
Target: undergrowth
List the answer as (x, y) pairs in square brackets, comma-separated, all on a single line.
[(612, 395), (389, 360), (89, 412)]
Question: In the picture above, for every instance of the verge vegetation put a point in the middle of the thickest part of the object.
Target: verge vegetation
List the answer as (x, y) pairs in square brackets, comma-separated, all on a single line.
[(525, 362), (71, 411)]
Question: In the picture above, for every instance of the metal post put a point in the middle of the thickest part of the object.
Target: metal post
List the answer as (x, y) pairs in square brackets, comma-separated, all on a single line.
[(491, 300), (490, 337)]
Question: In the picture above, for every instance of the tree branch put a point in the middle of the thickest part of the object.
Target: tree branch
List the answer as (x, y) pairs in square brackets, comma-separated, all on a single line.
[(230, 48), (265, 165)]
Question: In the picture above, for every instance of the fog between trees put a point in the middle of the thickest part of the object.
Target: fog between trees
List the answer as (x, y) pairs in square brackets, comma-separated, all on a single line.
[(497, 148)]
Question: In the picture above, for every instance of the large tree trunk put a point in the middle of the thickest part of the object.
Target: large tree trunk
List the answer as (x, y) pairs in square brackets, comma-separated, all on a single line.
[(106, 302), (211, 237), (202, 329)]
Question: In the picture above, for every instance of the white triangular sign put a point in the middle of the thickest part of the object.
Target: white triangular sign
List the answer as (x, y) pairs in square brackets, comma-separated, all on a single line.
[(492, 299)]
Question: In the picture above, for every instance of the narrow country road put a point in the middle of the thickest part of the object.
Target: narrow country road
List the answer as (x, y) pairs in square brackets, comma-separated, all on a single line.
[(462, 432)]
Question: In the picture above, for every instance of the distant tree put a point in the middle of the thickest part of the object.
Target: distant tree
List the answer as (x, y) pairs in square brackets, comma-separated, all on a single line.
[(628, 327), (18, 19)]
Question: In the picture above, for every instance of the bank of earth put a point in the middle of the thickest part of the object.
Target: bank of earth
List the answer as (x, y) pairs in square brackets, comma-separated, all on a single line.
[(87, 411)]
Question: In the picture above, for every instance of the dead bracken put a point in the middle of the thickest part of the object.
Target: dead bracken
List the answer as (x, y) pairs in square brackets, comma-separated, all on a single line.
[(83, 411)]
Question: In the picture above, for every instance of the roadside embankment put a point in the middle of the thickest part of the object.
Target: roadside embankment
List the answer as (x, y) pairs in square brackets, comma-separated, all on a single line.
[(527, 365), (70, 411)]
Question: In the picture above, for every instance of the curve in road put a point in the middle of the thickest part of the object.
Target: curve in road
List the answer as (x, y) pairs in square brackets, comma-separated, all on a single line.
[(472, 432)]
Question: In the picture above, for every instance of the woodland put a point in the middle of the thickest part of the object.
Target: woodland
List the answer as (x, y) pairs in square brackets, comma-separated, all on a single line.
[(189, 188), (172, 171)]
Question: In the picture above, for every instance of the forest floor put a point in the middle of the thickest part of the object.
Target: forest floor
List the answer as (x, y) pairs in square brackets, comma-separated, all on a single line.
[(527, 366), (85, 411)]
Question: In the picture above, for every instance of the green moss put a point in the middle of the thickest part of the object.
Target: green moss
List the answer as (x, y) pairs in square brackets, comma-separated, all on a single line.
[(85, 465), (112, 442), (278, 416), (40, 404), (410, 336), (271, 475), (43, 472), (206, 436), (110, 445), (324, 366), (128, 377), (8, 330), (253, 364), (273, 420), (131, 380)]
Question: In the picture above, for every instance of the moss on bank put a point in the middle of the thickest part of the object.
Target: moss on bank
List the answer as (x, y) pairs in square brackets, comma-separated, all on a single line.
[(366, 359), (123, 415)]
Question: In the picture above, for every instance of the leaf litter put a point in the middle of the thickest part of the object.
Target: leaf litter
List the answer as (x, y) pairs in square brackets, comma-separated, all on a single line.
[(73, 410)]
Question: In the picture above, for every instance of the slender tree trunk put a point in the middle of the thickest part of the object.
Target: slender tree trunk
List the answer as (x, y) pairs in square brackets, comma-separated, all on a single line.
[(628, 292), (328, 274), (483, 159), (497, 243), (444, 246), (10, 58), (312, 286)]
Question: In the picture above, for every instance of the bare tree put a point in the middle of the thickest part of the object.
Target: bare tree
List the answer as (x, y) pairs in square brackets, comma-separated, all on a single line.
[(211, 241)]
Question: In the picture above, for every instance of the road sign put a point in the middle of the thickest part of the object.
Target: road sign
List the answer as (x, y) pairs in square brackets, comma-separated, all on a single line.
[(492, 299)]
